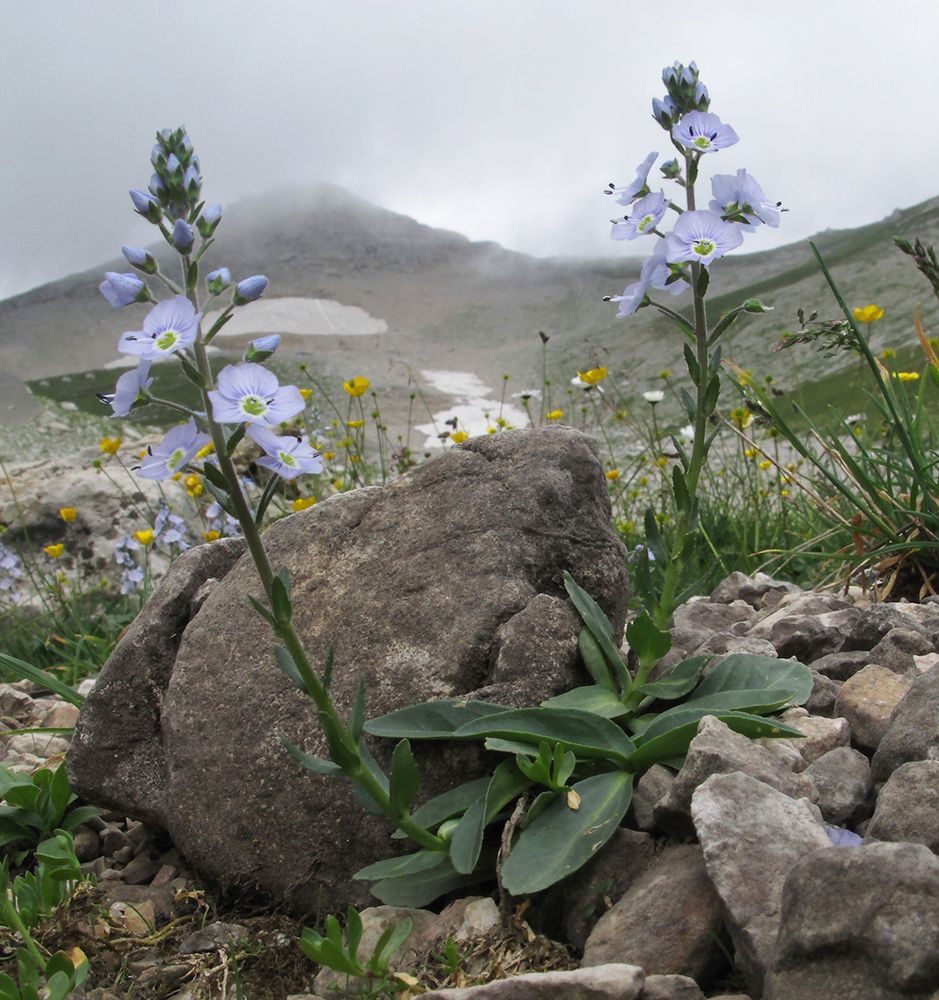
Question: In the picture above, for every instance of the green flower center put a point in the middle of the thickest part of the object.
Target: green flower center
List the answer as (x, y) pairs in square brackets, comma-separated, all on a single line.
[(703, 247), (166, 340), (287, 459), (702, 142), (644, 224), (253, 406), (175, 459)]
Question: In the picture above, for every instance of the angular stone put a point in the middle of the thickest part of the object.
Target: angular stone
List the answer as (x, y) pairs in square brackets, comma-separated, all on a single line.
[(908, 806), (843, 780), (751, 836), (821, 735), (670, 988), (859, 922), (700, 613), (913, 732), (843, 664), (808, 637), (606, 982), (876, 621), (650, 789), (415, 585), (717, 749), (824, 694), (752, 589), (667, 922), (867, 701), (721, 643), (898, 647)]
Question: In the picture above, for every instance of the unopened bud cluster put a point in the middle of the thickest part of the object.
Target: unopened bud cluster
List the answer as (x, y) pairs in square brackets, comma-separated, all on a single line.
[(685, 92)]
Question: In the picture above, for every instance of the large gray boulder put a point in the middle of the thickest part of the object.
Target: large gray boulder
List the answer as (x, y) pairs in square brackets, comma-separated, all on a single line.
[(446, 583)]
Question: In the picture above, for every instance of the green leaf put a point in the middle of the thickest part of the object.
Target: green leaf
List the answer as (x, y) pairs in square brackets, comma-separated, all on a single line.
[(654, 541), (678, 681), (309, 761), (443, 807), (711, 393), (675, 742), (409, 864), (594, 660), (688, 403), (562, 839), (287, 665), (680, 488), (328, 668), (280, 599), (596, 699), (743, 671), (468, 838), (404, 782), (422, 888), (599, 625), (649, 642), (262, 611), (192, 373), (756, 702), (692, 362), (703, 278), (392, 938), (357, 715), (339, 751), (434, 720), (586, 734), (214, 475), (506, 784), (224, 500), (75, 817)]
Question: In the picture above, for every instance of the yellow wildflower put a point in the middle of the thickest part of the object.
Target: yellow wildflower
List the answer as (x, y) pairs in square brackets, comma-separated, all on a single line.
[(67, 514), (192, 484), (784, 493), (356, 386), (612, 475), (593, 376), (306, 393), (661, 461), (176, 477), (665, 373), (458, 437), (206, 451), (741, 416), (888, 352), (109, 445), (868, 314), (145, 537), (749, 453), (210, 536), (555, 415), (643, 481), (907, 376), (54, 551), (626, 527), (301, 503), (490, 430), (329, 455), (356, 424), (765, 465)]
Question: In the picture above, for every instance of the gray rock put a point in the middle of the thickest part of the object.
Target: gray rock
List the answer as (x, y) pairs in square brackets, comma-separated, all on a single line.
[(670, 988), (843, 780), (867, 701), (859, 922), (717, 749), (808, 637), (116, 757), (898, 647), (843, 664), (820, 734), (824, 694), (699, 613), (720, 643), (415, 585), (650, 789), (667, 922), (606, 982), (876, 621), (908, 806), (752, 835), (753, 589), (913, 731)]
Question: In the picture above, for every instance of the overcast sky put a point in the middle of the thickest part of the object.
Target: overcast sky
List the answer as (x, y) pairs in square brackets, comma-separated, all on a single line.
[(501, 119)]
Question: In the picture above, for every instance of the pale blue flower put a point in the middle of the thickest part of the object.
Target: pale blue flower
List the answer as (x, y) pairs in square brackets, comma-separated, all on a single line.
[(128, 389), (122, 289), (626, 195), (286, 456), (740, 196), (665, 112), (217, 281), (701, 236), (262, 348), (140, 258), (843, 838), (656, 273), (702, 132), (646, 215), (251, 393), (169, 326), (250, 289), (146, 205), (208, 220), (174, 453), (183, 236)]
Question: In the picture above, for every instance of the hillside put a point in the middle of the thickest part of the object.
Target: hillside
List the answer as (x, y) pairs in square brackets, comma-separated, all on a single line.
[(475, 307)]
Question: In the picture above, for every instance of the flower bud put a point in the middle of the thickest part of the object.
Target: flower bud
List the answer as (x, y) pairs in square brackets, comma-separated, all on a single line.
[(209, 220), (262, 348), (173, 165), (183, 236), (218, 281), (755, 306), (122, 289), (140, 259), (250, 289), (157, 188), (665, 112), (192, 182), (146, 205), (158, 157)]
